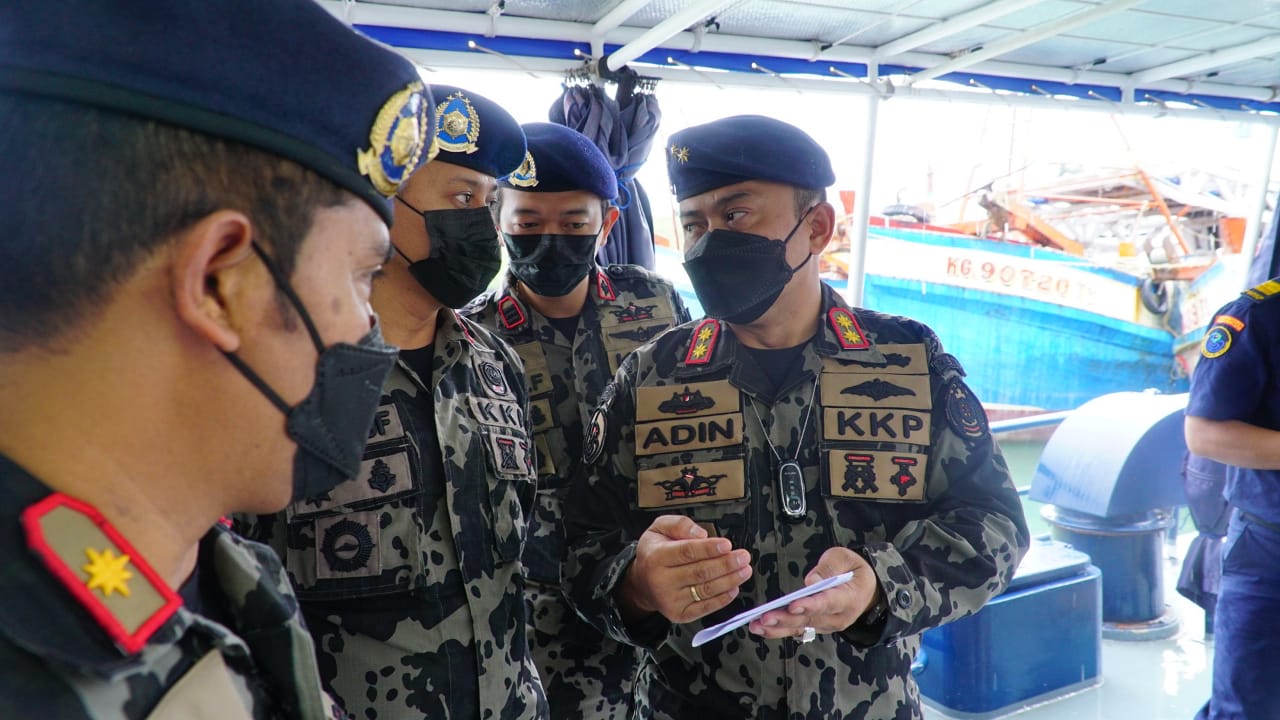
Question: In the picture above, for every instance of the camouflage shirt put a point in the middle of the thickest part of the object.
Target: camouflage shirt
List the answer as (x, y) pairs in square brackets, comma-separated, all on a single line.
[(122, 646), (585, 674), (409, 574), (897, 463)]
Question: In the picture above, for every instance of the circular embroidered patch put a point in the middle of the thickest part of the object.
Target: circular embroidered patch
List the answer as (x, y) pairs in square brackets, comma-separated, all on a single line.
[(493, 378), (593, 443), (1216, 342), (964, 413), (347, 546)]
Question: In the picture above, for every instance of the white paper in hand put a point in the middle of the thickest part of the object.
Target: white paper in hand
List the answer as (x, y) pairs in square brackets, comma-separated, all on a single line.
[(707, 634)]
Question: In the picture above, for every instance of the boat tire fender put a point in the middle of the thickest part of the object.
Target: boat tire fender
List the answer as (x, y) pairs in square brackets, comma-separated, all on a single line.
[(1154, 296)]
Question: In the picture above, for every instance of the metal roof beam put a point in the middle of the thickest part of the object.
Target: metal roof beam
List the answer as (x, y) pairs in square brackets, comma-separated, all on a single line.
[(1217, 58), (949, 27), (618, 15), (664, 31), (1022, 39)]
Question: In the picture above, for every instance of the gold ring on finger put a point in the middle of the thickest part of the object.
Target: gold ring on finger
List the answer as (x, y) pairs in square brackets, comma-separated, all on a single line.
[(693, 590)]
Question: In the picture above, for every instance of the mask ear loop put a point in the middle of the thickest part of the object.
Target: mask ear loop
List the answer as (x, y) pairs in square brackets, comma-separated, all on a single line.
[(285, 288), (808, 257)]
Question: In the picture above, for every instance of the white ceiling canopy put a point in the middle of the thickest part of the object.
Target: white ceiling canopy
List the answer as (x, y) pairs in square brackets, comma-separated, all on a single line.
[(1221, 56)]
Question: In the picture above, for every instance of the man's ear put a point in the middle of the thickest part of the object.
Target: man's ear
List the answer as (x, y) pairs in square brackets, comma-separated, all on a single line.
[(610, 217), (209, 276), (822, 224)]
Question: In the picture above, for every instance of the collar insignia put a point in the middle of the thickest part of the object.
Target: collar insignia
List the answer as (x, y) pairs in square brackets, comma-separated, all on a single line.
[(703, 343), (848, 332)]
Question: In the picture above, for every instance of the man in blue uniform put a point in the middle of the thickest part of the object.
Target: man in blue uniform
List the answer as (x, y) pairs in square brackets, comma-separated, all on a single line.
[(196, 198), (1233, 417), (572, 322), (786, 439)]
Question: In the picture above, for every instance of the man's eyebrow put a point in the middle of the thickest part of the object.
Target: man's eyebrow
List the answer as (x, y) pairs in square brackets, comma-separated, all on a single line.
[(719, 204)]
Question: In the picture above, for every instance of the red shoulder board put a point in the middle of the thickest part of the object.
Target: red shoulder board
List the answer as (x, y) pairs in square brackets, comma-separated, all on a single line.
[(510, 312), (848, 332), (703, 342), (100, 569), (604, 288)]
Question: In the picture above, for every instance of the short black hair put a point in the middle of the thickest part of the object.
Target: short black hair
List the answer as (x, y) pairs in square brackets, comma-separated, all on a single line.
[(90, 194)]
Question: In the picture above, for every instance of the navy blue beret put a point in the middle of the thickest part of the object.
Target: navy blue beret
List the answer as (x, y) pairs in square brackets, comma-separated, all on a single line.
[(475, 132), (745, 147), (560, 159), (284, 76)]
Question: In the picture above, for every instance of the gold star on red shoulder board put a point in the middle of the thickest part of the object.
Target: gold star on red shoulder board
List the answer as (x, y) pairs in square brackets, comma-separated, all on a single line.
[(118, 589), (847, 330), (704, 342)]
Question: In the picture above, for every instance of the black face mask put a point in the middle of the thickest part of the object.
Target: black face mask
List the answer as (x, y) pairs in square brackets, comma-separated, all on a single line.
[(738, 276), (464, 258), (551, 265), (331, 424)]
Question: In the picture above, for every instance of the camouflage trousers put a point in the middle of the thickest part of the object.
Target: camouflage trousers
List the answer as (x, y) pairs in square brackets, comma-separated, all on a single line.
[(586, 675)]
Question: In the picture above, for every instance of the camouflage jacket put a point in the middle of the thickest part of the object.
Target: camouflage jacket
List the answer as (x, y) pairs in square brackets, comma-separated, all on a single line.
[(585, 675), (897, 463), (626, 307), (409, 574), (122, 645)]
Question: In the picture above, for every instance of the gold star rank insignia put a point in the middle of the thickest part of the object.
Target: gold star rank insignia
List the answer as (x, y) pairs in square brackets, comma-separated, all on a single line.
[(847, 331), (704, 342), (681, 154), (107, 572), (126, 598)]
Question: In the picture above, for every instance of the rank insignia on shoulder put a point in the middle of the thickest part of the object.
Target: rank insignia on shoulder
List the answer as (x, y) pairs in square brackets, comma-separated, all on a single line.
[(1263, 290), (510, 312), (702, 344), (100, 569), (604, 288), (964, 413), (1216, 342), (848, 332), (1234, 323)]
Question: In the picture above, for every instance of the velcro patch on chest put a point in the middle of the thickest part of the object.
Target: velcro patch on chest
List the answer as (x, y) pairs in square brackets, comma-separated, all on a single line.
[(347, 546), (876, 425), (489, 368), (876, 475), (682, 401), (387, 424), (384, 474), (541, 415), (536, 371), (873, 391), (691, 484), (691, 433), (496, 412), (898, 360), (512, 456)]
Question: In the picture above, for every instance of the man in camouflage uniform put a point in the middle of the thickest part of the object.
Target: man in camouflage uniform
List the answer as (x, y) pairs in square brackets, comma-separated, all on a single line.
[(750, 454), (184, 332), (572, 322), (409, 574)]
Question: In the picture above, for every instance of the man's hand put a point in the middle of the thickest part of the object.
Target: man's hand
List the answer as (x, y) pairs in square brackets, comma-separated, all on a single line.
[(680, 572), (831, 610)]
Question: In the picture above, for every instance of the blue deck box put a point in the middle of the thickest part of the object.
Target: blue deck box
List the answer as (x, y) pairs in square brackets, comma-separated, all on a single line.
[(1040, 639)]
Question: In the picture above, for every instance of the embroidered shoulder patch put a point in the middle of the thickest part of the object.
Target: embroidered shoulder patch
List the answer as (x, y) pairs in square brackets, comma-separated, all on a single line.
[(593, 443), (848, 332), (702, 344), (1234, 322), (964, 413), (100, 569), (1216, 342)]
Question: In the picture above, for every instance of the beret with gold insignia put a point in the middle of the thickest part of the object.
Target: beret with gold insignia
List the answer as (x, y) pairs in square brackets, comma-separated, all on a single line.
[(475, 132), (284, 76), (562, 159), (741, 148)]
